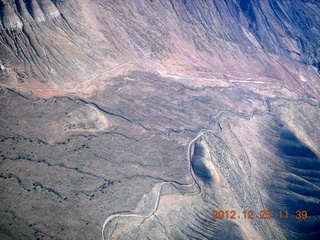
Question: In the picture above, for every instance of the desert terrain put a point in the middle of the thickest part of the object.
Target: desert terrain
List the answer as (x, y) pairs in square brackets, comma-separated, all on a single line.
[(143, 119)]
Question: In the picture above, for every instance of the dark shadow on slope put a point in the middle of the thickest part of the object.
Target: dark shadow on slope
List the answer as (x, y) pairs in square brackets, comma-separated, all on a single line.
[(296, 186), (198, 167), (290, 146)]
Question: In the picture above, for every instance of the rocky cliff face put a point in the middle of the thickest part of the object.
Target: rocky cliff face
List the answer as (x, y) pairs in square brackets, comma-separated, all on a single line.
[(63, 42)]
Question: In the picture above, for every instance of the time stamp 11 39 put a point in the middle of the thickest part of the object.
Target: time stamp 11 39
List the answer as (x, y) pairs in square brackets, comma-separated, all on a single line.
[(262, 214)]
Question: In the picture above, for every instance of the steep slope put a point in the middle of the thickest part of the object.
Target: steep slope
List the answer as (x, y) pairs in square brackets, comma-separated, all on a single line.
[(62, 43)]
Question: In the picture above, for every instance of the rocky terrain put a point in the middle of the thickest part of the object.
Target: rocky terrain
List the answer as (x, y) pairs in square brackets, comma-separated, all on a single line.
[(138, 119), (59, 44)]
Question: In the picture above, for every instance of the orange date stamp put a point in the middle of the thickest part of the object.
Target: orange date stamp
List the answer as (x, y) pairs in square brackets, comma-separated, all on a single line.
[(262, 214)]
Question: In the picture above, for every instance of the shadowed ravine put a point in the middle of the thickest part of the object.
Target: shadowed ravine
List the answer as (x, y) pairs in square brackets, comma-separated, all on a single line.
[(297, 185)]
